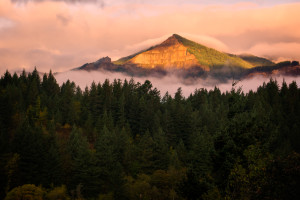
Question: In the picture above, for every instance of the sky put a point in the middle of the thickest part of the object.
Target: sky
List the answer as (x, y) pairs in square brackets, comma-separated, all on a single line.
[(64, 34)]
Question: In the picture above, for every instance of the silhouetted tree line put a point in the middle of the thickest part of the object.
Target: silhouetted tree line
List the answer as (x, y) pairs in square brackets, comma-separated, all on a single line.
[(123, 140)]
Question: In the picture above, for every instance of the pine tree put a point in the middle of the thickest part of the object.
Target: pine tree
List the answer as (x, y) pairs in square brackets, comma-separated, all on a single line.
[(108, 163), (84, 170)]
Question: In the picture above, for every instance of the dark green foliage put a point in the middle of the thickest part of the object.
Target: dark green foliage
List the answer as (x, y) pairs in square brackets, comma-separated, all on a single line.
[(295, 63), (109, 154), (283, 175), (270, 68), (121, 140), (256, 61), (29, 143), (84, 171)]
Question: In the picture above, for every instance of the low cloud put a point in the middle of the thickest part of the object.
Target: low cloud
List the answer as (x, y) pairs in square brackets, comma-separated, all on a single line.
[(170, 83), (42, 58), (207, 41), (249, 38), (164, 84), (277, 51)]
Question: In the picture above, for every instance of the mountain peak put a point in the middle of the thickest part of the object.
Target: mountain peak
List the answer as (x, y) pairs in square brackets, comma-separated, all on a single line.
[(176, 36), (172, 40), (179, 52), (104, 60)]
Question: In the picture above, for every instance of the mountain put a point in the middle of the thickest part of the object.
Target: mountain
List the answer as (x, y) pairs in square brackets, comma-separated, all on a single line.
[(255, 60), (285, 68), (186, 58), (179, 52), (104, 62)]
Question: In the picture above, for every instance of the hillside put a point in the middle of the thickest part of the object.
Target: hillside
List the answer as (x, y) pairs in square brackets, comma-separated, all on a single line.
[(185, 58), (255, 60), (285, 68), (180, 52), (124, 140), (211, 57), (169, 54)]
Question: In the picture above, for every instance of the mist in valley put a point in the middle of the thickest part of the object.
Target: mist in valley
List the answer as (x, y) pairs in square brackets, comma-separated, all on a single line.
[(171, 82)]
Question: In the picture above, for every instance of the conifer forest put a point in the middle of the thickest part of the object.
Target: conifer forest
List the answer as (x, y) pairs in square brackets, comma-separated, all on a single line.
[(121, 139)]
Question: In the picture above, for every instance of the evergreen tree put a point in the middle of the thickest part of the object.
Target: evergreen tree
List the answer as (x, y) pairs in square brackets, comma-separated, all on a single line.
[(109, 166), (84, 170)]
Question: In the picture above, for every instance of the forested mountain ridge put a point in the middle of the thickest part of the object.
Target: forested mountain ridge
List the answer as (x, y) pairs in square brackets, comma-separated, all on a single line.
[(185, 58), (256, 61), (125, 140), (179, 52)]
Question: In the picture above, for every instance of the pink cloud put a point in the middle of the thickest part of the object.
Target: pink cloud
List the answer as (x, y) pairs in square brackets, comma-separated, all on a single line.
[(70, 35), (278, 51)]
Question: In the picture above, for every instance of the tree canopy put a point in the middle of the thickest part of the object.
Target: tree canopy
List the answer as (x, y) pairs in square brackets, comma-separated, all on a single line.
[(125, 140)]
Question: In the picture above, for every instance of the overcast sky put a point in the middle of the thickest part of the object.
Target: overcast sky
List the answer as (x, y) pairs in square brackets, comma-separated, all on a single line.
[(64, 34)]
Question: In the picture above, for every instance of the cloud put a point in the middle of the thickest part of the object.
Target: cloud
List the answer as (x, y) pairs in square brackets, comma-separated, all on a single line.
[(64, 19), (84, 33), (278, 51), (202, 39), (207, 41), (170, 83), (249, 38), (5, 23), (68, 1), (100, 3), (164, 84), (146, 44)]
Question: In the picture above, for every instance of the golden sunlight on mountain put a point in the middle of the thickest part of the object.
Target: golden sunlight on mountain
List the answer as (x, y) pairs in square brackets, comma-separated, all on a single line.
[(171, 53)]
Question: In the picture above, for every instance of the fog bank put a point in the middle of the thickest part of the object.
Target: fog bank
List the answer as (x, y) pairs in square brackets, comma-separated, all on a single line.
[(169, 83)]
